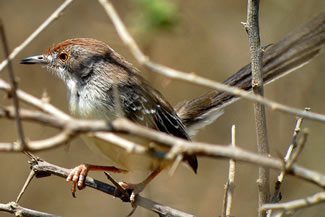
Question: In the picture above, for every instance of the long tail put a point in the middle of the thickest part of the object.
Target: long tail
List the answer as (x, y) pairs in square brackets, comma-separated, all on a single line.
[(294, 51)]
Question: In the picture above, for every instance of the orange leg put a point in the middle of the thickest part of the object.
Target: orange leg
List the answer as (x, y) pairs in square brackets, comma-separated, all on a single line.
[(79, 173), (137, 188)]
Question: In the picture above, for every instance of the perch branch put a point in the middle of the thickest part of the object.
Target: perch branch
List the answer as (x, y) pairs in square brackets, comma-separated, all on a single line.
[(178, 146), (44, 168)]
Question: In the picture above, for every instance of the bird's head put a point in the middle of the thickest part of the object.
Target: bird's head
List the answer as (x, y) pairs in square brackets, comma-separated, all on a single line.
[(73, 59)]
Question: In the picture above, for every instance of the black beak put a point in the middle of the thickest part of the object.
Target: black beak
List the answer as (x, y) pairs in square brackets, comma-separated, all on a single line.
[(33, 60)]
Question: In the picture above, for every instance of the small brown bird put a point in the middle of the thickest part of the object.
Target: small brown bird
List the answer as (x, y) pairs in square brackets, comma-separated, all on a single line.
[(92, 71)]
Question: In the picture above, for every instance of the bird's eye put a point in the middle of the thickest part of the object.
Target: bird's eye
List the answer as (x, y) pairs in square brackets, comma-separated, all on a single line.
[(63, 56)]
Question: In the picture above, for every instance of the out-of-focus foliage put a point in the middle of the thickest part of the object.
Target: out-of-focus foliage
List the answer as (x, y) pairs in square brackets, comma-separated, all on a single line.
[(157, 14)]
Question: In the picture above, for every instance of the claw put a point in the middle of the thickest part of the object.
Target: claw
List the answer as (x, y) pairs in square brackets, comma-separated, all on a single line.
[(77, 176), (136, 189)]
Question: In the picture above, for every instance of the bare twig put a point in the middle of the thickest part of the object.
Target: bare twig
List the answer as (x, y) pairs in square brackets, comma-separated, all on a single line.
[(229, 187), (118, 186), (44, 168), (252, 29), (13, 92), (55, 15), (291, 206), (295, 154), (276, 195), (288, 165), (28, 180), (178, 146), (17, 210)]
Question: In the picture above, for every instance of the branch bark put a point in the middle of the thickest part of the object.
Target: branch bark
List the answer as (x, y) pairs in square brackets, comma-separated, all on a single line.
[(252, 28), (294, 205), (20, 211), (177, 146), (43, 168), (230, 184)]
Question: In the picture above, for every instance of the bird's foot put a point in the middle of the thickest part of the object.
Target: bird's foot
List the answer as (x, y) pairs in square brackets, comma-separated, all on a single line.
[(135, 188), (78, 174)]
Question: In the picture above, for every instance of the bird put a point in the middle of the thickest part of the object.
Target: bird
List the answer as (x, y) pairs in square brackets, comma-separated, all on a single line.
[(92, 71)]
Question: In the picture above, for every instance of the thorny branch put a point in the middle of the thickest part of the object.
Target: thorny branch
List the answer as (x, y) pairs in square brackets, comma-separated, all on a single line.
[(43, 168), (178, 146)]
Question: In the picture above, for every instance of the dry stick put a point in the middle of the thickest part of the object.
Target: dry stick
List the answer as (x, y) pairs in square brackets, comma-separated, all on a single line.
[(27, 182), (288, 165), (44, 168), (178, 146), (118, 186), (294, 205), (252, 29), (20, 211), (13, 92), (289, 155), (45, 24), (195, 79), (229, 188), (55, 15), (300, 147)]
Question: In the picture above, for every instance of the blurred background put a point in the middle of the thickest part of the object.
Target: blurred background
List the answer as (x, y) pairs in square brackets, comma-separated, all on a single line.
[(204, 37)]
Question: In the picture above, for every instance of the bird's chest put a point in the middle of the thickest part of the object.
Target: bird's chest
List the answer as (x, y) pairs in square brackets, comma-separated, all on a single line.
[(89, 103)]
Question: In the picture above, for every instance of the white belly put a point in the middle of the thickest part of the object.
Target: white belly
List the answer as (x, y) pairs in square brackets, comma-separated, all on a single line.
[(119, 155), (84, 107)]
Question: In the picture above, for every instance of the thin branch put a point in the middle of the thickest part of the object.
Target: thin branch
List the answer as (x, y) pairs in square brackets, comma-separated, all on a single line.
[(13, 92), (252, 29), (55, 15), (294, 205), (27, 182), (17, 210), (44, 168), (178, 146), (276, 195), (229, 188)]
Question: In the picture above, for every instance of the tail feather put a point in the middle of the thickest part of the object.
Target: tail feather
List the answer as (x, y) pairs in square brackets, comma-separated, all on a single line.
[(285, 56)]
